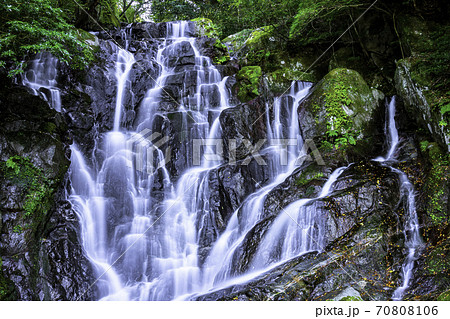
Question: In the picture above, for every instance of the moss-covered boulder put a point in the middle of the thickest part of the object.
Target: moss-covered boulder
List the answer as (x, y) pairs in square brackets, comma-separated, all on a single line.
[(283, 70), (341, 110), (237, 41)]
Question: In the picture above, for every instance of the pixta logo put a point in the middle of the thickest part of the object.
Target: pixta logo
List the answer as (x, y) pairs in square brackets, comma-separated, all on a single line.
[(146, 146), (213, 150), (150, 155)]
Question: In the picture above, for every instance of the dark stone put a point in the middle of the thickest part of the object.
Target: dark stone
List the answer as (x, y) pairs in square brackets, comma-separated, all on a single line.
[(41, 255)]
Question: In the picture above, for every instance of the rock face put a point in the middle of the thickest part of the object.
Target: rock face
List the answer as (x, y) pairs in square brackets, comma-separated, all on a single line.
[(41, 255), (361, 249), (418, 106)]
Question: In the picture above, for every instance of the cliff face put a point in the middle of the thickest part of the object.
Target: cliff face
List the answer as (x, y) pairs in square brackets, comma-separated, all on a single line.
[(361, 221), (40, 250)]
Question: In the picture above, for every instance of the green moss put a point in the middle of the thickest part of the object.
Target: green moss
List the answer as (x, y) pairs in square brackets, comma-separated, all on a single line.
[(223, 55), (238, 40), (337, 97), (32, 180), (260, 36), (49, 127), (248, 82), (348, 103), (307, 178), (287, 71), (437, 182), (437, 262), (445, 296), (351, 298)]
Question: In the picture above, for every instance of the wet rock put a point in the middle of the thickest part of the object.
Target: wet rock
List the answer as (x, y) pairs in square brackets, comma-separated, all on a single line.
[(245, 126), (417, 105), (40, 251), (365, 240)]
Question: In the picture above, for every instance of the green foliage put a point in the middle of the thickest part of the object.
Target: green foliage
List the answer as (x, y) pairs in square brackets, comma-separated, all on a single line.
[(437, 182), (205, 27), (33, 181), (431, 69), (170, 10), (318, 20), (29, 27), (248, 79), (235, 15), (224, 56), (108, 13)]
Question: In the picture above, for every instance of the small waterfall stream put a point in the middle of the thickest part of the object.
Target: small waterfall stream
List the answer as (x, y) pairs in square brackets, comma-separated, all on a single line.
[(41, 77), (413, 240)]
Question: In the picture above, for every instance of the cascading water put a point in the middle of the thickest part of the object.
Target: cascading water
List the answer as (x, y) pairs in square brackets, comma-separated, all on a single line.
[(41, 76), (219, 264), (413, 240), (125, 61), (144, 243)]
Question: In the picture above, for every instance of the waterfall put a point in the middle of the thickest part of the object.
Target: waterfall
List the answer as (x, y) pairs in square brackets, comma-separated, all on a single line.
[(298, 229), (125, 61), (140, 224), (391, 132), (219, 264), (41, 78), (413, 240)]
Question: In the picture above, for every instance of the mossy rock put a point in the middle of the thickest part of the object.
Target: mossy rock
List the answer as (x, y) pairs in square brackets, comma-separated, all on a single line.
[(284, 70), (252, 47), (248, 80), (88, 37), (237, 41), (437, 185), (340, 110), (411, 85)]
